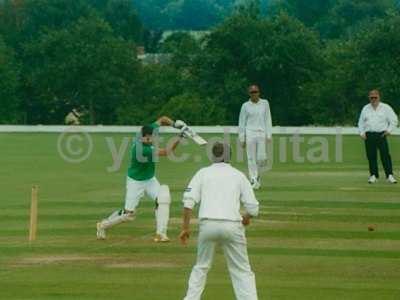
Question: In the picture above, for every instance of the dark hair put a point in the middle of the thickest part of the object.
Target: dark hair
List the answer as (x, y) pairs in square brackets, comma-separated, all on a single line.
[(147, 130), (374, 91), (221, 152)]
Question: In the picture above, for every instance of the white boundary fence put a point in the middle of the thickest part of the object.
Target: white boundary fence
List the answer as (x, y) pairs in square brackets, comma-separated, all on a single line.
[(200, 129)]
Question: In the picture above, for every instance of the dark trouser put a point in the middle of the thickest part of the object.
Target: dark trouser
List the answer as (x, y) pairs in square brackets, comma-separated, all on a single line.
[(375, 141)]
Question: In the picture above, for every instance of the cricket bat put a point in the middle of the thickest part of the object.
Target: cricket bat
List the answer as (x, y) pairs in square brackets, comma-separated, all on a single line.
[(190, 133)]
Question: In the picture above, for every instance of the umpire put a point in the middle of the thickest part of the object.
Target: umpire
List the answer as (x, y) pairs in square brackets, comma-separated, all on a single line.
[(377, 121)]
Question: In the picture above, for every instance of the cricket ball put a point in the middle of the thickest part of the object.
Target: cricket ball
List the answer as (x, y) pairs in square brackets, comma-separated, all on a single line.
[(371, 227)]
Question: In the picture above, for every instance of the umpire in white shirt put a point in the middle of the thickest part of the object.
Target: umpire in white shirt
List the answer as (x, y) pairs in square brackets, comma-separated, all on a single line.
[(377, 121), (255, 128), (220, 189)]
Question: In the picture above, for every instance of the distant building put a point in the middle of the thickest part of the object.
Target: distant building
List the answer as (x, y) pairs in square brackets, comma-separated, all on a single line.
[(165, 58), (196, 34), (155, 58), (140, 50)]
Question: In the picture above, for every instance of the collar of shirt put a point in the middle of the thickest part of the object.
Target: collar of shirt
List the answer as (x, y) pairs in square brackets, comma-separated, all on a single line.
[(221, 164), (255, 103), (379, 106)]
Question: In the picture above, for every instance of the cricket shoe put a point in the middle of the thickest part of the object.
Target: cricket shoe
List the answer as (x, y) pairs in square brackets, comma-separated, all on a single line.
[(161, 239), (372, 179), (101, 232), (391, 179)]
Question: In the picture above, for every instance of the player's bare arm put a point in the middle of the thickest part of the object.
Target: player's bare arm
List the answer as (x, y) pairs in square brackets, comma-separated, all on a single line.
[(167, 151), (185, 233), (164, 121), (167, 121)]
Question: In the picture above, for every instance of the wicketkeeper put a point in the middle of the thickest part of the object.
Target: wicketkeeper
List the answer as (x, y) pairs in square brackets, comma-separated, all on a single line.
[(141, 179)]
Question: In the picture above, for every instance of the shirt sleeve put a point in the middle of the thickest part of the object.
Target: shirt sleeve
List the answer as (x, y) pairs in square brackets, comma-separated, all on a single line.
[(392, 119), (268, 122), (156, 128), (248, 198), (242, 124), (192, 194), (155, 125), (361, 122)]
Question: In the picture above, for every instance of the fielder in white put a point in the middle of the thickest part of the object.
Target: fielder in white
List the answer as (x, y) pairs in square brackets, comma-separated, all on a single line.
[(255, 129), (220, 189), (141, 179)]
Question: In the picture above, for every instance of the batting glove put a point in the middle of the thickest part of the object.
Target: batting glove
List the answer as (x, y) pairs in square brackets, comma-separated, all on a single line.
[(184, 132), (179, 124)]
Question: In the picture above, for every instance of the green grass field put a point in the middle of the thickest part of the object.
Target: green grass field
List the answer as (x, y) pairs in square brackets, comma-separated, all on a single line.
[(310, 241)]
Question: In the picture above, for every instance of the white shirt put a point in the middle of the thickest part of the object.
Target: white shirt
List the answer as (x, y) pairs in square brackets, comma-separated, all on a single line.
[(220, 189), (255, 117), (380, 119)]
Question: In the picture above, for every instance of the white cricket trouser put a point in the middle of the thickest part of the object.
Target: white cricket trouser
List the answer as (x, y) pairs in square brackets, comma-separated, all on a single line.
[(256, 152), (231, 236), (135, 191)]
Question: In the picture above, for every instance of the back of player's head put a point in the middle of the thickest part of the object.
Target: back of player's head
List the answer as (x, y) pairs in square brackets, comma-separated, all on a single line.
[(221, 152), (147, 130)]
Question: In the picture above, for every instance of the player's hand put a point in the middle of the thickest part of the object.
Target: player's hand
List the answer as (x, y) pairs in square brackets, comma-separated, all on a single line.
[(179, 124), (363, 136), (243, 144), (184, 236), (246, 220), (386, 133)]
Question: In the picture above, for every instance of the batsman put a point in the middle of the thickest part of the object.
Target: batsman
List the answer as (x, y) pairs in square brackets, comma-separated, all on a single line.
[(141, 180)]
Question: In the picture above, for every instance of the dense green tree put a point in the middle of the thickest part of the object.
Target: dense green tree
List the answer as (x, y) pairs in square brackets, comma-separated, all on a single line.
[(61, 55), (279, 54), (23, 21), (179, 41), (124, 20), (183, 48), (330, 97), (158, 84), (368, 61), (378, 63), (345, 17), (83, 66), (206, 11), (31, 17), (9, 86), (309, 12), (193, 107)]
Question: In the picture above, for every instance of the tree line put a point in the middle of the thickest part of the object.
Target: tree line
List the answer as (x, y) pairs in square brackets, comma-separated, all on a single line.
[(314, 60)]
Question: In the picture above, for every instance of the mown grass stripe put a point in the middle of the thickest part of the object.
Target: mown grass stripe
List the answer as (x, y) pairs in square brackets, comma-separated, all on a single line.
[(73, 204), (278, 216), (331, 218), (333, 204), (323, 234), (173, 249), (325, 252), (259, 233)]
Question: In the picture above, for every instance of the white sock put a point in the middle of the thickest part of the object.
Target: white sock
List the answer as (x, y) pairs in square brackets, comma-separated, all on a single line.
[(162, 211), (162, 219), (117, 217)]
